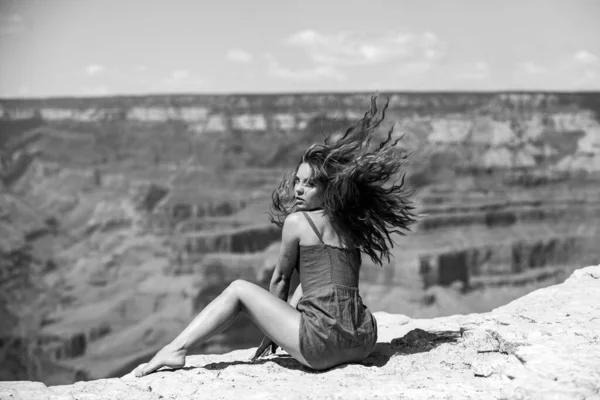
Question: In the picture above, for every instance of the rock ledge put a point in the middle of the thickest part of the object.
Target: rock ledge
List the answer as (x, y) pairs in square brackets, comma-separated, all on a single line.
[(545, 345)]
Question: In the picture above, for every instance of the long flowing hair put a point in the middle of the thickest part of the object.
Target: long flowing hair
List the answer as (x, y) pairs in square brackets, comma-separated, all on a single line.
[(359, 197)]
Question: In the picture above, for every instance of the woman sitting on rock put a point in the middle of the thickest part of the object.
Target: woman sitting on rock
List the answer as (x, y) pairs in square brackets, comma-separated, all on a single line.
[(338, 203)]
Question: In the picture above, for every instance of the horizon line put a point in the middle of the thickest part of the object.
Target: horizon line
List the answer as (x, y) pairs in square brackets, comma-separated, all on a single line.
[(316, 92)]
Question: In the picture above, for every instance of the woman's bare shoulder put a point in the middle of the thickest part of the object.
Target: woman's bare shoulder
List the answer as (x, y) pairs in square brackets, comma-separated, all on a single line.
[(299, 224), (294, 221)]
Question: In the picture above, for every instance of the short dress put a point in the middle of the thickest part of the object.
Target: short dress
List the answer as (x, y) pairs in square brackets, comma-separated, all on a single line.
[(335, 326)]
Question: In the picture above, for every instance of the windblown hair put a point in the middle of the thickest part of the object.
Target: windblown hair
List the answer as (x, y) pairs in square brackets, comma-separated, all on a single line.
[(355, 180)]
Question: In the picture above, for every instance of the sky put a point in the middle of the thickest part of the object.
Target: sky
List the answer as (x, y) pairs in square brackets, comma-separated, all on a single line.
[(51, 48)]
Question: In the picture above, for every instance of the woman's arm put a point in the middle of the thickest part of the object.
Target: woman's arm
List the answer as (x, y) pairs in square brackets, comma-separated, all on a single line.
[(288, 257), (280, 281), (293, 301)]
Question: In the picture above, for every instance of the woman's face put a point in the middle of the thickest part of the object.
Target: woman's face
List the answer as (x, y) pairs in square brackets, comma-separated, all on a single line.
[(309, 195)]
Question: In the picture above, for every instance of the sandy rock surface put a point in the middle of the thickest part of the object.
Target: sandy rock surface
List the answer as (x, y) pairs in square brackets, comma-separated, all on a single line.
[(545, 345)]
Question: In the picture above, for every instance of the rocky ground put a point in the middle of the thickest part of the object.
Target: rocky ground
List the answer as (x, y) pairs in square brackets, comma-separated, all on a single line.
[(541, 346)]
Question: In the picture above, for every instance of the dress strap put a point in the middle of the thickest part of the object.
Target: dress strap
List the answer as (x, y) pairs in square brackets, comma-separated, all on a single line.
[(313, 226)]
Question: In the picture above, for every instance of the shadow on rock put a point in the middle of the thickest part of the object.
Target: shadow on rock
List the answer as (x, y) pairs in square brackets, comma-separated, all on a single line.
[(283, 360), (415, 341)]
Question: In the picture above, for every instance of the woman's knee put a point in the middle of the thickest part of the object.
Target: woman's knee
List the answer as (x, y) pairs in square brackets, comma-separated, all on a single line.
[(239, 290), (237, 287)]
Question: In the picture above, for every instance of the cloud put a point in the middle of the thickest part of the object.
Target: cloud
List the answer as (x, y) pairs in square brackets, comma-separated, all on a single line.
[(180, 75), (532, 68), (94, 69), (587, 80), (433, 54), (585, 57), (182, 78), (307, 74), (12, 25), (474, 71), (240, 56), (351, 49), (588, 76)]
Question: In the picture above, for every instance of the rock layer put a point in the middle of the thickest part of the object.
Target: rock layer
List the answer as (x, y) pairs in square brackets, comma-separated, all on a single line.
[(544, 345)]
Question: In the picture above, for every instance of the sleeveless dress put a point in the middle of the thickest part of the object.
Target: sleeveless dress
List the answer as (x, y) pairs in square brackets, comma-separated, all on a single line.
[(335, 326)]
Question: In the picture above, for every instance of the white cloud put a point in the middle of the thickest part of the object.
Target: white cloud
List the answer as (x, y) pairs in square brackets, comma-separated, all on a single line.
[(588, 77), (308, 74), (350, 49), (587, 80), (532, 68), (433, 54), (182, 78), (481, 66), (12, 25), (474, 71), (237, 55), (584, 56), (180, 75), (141, 68), (16, 18), (94, 69)]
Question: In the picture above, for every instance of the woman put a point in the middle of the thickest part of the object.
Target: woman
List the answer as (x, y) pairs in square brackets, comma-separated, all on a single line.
[(338, 203)]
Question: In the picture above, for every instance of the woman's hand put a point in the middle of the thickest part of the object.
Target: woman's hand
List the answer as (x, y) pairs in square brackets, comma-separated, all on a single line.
[(295, 298), (266, 348)]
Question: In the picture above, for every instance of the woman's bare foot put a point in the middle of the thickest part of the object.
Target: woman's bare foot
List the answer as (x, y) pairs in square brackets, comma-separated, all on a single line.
[(168, 356)]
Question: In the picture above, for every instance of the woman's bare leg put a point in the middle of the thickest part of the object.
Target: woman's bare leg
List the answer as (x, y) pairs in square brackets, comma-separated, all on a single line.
[(276, 318)]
